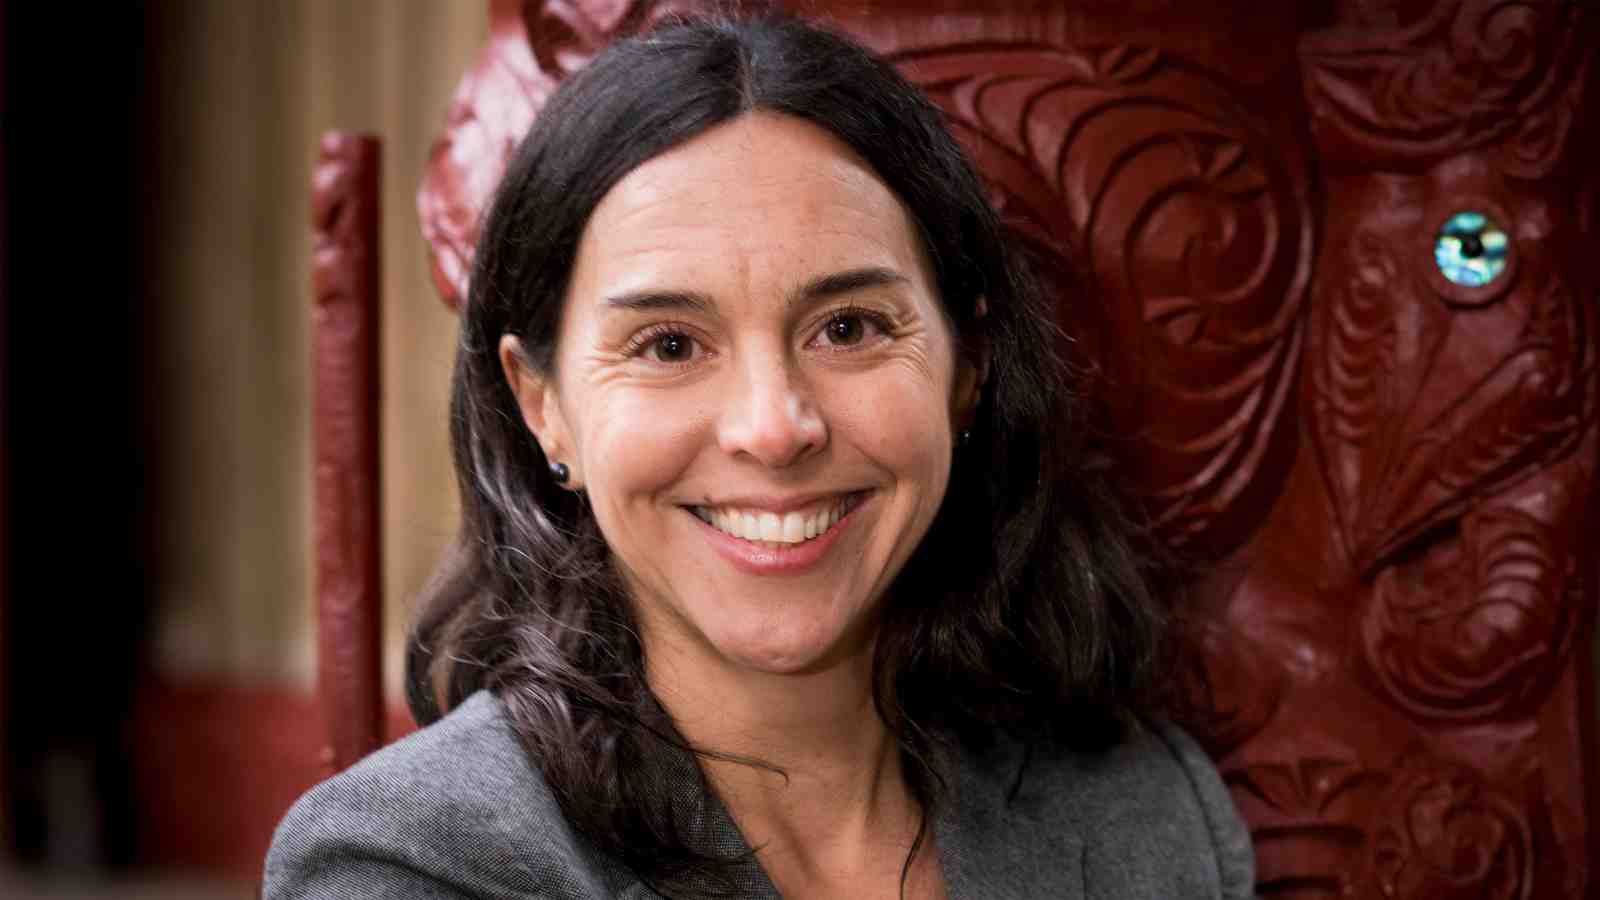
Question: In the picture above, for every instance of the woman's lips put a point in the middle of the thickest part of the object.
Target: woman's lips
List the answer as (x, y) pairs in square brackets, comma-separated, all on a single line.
[(774, 557), (790, 526)]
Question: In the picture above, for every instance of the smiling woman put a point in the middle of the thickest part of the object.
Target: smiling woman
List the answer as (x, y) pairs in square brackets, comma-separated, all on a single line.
[(729, 373), (738, 608)]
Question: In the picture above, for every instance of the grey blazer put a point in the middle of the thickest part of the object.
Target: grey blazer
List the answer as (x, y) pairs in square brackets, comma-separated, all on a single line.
[(457, 811)]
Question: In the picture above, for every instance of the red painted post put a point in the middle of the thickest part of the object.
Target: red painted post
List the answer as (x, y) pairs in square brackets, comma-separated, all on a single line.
[(345, 406)]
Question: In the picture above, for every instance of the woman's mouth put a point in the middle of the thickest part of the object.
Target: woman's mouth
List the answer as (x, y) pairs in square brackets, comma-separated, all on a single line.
[(779, 529)]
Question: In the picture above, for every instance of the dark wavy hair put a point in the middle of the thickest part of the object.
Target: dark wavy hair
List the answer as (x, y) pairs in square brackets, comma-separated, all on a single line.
[(1023, 610)]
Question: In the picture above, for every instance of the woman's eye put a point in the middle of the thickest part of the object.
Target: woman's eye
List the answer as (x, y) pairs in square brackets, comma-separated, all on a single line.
[(845, 330), (849, 329), (670, 348)]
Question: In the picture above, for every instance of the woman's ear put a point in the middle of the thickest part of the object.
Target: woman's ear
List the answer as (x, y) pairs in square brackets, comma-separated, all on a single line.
[(536, 398), (972, 373)]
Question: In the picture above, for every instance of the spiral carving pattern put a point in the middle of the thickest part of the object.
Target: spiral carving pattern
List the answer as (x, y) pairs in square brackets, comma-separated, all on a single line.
[(1193, 223)]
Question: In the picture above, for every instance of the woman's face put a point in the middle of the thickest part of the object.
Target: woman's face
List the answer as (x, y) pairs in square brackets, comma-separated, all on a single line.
[(756, 387)]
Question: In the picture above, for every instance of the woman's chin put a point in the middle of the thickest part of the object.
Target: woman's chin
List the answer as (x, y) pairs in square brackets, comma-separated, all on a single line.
[(774, 653)]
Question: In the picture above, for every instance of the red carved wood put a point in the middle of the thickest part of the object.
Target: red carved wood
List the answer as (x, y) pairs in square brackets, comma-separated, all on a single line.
[(1386, 478), (345, 398)]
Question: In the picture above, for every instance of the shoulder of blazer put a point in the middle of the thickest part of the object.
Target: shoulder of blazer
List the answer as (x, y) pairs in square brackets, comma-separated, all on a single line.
[(454, 809), (1153, 812)]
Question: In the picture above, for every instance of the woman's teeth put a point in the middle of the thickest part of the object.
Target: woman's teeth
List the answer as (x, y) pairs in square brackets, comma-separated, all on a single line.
[(779, 528)]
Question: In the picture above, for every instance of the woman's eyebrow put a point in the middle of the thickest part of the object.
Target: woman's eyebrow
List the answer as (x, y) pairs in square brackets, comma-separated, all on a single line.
[(653, 300), (847, 282), (818, 288)]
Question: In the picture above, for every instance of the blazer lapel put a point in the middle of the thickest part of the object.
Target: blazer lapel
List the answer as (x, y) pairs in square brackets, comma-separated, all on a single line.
[(998, 844), (710, 829)]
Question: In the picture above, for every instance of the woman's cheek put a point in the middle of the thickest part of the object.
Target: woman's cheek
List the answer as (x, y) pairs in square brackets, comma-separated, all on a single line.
[(898, 420), (642, 439)]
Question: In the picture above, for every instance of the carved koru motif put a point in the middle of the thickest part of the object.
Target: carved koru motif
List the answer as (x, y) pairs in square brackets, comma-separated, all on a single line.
[(1193, 222), (1484, 636), (1444, 832), (1467, 74)]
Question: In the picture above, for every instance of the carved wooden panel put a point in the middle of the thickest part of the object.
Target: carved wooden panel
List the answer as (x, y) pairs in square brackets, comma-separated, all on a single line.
[(345, 403), (1345, 327)]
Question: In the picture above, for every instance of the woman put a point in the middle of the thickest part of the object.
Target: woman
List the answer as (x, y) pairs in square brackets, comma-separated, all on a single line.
[(778, 571)]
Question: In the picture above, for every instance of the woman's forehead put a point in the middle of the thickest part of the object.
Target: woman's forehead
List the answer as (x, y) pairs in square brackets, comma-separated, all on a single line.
[(764, 191)]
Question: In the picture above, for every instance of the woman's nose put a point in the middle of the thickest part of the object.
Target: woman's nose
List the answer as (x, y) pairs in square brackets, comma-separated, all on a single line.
[(772, 417)]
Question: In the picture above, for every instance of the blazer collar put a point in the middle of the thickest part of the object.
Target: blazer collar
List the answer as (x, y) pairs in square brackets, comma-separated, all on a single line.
[(990, 833), (995, 838)]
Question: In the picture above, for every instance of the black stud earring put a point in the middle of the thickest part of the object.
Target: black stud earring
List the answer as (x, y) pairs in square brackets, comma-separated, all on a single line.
[(560, 472), (965, 437)]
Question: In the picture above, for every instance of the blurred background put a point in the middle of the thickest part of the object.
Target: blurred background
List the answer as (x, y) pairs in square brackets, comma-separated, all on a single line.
[(156, 653)]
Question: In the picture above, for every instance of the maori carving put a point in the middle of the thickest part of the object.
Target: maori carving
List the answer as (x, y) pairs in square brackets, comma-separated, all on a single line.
[(491, 110), (1309, 816), (1444, 833), (532, 45), (1453, 434), (565, 35), (1193, 222), (1467, 74), (1398, 466), (1415, 827), (1466, 639), (1394, 471), (344, 287)]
